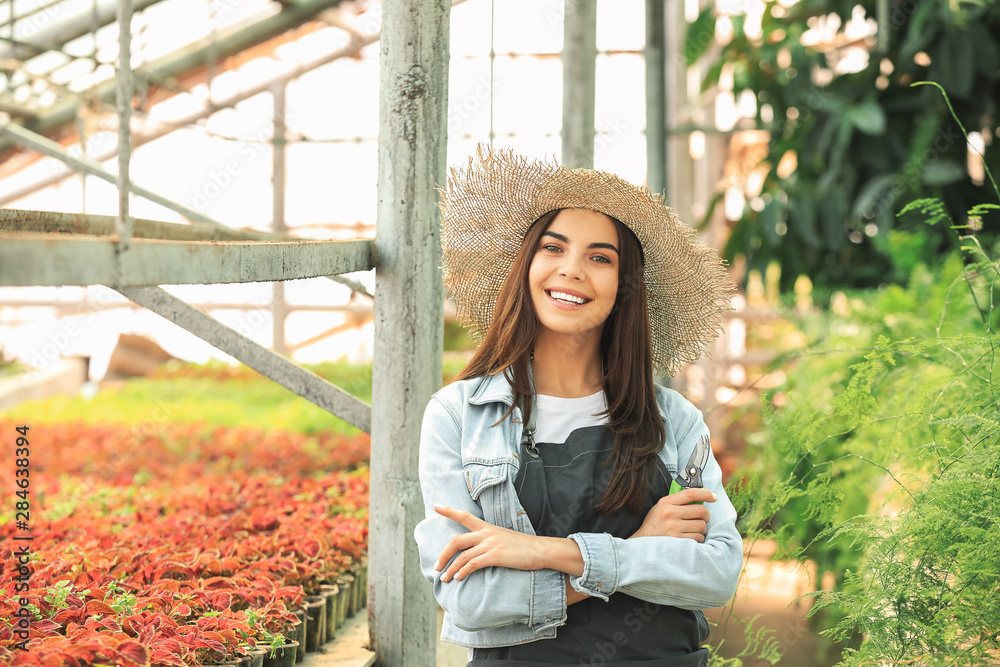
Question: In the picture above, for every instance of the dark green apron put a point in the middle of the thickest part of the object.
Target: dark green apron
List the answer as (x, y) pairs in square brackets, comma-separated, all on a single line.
[(558, 489)]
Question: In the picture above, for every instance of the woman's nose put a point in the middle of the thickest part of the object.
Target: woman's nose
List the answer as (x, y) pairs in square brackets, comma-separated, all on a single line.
[(571, 267)]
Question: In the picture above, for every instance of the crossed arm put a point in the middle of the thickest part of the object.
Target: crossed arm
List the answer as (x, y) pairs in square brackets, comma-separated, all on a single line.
[(486, 545)]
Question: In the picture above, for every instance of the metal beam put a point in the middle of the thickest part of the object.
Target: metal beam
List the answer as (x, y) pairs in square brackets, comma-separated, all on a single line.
[(142, 136), (37, 142), (193, 56), (579, 62), (306, 384), (48, 260), (16, 220), (86, 305), (42, 222), (678, 172), (160, 129), (352, 322), (409, 329), (53, 35), (31, 12)]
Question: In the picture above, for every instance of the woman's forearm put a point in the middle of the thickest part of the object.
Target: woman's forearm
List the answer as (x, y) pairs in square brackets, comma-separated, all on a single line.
[(486, 545), (562, 554)]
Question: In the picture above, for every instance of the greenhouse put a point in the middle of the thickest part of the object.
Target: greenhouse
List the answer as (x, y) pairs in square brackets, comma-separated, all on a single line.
[(347, 332)]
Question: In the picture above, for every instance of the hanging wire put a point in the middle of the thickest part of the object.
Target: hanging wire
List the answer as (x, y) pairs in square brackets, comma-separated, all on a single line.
[(86, 107), (140, 93), (493, 56), (81, 130), (9, 76)]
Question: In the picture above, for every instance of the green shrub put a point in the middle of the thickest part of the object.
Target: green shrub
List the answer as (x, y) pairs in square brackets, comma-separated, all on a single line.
[(880, 463), (881, 459)]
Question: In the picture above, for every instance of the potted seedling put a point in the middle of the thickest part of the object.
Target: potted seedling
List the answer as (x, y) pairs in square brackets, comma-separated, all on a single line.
[(280, 650)]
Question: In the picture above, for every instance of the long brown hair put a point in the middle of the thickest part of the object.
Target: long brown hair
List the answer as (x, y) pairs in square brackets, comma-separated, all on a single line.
[(626, 350)]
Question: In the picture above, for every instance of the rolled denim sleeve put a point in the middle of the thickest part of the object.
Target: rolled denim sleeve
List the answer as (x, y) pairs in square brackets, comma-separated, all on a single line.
[(600, 565), (668, 570), (491, 597)]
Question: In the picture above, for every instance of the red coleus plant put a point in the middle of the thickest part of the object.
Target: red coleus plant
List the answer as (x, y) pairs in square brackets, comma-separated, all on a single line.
[(166, 572), (115, 454), (82, 647)]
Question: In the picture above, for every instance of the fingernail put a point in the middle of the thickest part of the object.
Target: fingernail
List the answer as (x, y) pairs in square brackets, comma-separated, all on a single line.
[(438, 506), (437, 565), (715, 497)]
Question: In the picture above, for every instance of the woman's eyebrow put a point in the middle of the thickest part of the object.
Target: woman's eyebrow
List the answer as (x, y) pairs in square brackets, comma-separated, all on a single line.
[(564, 239)]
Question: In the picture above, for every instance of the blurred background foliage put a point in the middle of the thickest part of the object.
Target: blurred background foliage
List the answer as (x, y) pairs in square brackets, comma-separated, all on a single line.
[(848, 148), (216, 394), (879, 461)]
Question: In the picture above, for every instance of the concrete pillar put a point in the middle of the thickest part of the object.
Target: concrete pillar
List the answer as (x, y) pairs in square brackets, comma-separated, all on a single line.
[(678, 181), (409, 318), (123, 101), (656, 97), (579, 61), (657, 155)]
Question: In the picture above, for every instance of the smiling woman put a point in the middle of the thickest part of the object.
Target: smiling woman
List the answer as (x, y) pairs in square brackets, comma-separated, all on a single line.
[(553, 451)]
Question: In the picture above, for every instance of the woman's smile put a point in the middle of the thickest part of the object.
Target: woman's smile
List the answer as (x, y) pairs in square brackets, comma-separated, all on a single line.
[(567, 298)]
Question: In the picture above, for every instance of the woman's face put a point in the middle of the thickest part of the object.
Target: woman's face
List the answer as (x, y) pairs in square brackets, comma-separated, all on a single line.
[(573, 275)]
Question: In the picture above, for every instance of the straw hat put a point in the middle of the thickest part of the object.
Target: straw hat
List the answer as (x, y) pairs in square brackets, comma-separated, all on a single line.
[(491, 202)]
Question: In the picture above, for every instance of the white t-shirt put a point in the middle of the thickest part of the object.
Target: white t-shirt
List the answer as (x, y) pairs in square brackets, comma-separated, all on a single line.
[(557, 417)]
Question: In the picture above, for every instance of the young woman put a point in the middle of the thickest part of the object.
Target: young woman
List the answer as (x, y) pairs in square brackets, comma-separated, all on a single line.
[(551, 536)]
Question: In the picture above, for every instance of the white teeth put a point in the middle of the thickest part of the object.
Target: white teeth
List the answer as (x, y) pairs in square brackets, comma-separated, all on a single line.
[(561, 296)]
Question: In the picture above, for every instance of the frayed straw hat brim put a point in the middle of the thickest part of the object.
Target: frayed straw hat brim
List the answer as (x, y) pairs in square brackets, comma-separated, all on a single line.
[(492, 201)]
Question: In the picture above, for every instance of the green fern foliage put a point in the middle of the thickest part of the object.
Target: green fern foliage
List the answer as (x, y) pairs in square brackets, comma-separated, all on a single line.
[(762, 647), (930, 586), (880, 463)]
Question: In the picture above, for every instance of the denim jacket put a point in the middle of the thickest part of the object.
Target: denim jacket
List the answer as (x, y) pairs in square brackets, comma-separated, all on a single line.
[(466, 464)]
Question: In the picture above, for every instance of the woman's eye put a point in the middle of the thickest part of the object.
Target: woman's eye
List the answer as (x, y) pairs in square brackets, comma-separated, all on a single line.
[(550, 247), (602, 259)]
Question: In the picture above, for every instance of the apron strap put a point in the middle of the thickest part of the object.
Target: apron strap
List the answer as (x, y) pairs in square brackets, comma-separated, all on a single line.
[(529, 427)]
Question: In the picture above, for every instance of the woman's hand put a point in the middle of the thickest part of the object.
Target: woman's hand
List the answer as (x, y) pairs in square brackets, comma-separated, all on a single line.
[(677, 515), (487, 545)]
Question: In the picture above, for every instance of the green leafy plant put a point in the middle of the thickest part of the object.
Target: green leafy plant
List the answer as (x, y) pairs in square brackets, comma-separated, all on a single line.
[(880, 465), (886, 475), (274, 641), (881, 461), (849, 142), (122, 600), (762, 647), (59, 592)]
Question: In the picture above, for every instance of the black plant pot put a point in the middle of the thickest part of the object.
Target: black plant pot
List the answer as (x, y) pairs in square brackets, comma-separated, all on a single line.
[(315, 606), (282, 656)]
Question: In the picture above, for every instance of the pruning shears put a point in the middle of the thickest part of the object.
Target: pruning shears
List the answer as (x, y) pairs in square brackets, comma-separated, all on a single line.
[(690, 477)]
